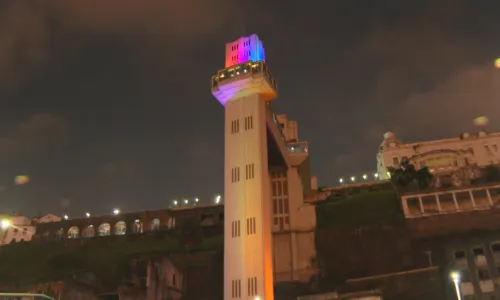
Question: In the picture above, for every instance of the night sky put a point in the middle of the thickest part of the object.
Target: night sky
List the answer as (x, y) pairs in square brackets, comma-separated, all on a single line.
[(107, 103)]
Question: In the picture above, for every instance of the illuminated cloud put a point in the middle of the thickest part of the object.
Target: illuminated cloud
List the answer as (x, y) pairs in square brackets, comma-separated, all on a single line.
[(34, 134), (28, 30)]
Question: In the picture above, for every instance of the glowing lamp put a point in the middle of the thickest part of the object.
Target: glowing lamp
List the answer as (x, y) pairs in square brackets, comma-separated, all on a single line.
[(116, 211), (497, 63), (455, 276), (4, 224)]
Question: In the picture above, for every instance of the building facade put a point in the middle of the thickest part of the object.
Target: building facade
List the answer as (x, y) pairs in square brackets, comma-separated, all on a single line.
[(266, 178), (20, 229), (455, 158)]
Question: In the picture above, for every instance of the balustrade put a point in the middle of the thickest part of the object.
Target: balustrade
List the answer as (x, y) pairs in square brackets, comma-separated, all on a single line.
[(450, 201)]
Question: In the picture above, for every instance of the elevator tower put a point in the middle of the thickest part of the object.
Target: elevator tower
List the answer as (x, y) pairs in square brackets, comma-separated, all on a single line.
[(245, 87)]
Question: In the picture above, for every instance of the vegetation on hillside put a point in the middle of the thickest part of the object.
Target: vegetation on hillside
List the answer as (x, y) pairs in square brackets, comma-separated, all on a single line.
[(108, 258), (490, 174), (360, 209), (407, 177)]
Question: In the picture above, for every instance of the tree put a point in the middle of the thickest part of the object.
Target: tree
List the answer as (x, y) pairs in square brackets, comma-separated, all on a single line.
[(407, 175), (491, 174)]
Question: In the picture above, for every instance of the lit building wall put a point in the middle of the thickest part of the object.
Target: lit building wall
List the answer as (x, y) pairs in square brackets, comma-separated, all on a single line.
[(47, 219), (247, 48), (164, 280), (294, 223), (289, 127), (481, 149), (19, 230), (477, 261)]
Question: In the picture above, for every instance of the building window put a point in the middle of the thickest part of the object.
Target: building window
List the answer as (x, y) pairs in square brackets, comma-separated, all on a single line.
[(250, 171), (495, 148), (236, 288), (478, 251), (488, 150), (235, 126), (395, 161), (495, 248), (251, 227), (252, 286), (248, 123), (235, 174), (460, 254), (235, 229), (483, 274), (281, 205)]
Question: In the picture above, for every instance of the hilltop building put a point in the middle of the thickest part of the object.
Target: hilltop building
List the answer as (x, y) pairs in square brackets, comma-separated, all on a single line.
[(452, 160)]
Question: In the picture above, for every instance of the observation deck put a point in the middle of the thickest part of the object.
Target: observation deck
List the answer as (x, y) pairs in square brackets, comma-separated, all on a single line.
[(252, 78)]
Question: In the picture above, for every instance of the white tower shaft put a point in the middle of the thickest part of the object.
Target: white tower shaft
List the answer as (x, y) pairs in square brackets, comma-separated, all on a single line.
[(248, 270)]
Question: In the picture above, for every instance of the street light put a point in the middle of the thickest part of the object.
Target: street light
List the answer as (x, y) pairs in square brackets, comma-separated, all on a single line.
[(65, 217), (217, 199), (87, 215), (186, 201), (175, 202), (196, 200), (353, 178), (116, 211), (364, 176), (375, 175), (341, 180), (5, 224), (455, 277)]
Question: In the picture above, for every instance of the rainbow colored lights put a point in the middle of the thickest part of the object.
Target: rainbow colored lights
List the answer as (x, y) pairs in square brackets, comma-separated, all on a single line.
[(246, 48)]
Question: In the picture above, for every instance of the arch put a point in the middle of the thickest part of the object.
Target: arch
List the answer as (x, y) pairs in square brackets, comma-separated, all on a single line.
[(137, 227), (46, 236), (88, 232), (171, 223), (207, 220), (73, 232), (120, 228), (59, 234), (155, 224), (104, 229)]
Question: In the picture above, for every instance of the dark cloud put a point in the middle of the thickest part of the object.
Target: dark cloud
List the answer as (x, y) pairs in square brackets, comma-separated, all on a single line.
[(28, 29), (429, 79), (34, 134), (24, 39)]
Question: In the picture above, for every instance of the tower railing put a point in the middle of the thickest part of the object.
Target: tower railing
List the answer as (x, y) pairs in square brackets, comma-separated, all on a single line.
[(245, 69)]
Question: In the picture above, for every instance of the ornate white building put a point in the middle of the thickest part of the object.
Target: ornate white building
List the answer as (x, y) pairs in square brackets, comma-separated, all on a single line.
[(19, 228), (444, 157)]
